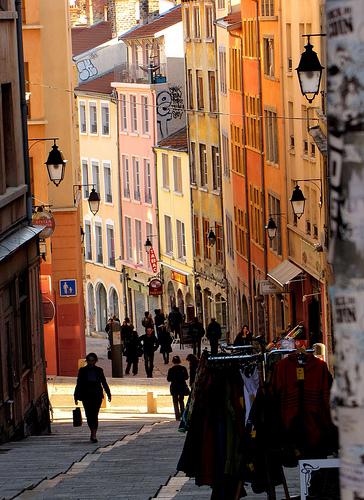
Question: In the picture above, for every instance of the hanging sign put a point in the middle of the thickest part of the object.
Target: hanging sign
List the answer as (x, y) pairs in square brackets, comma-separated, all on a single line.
[(153, 260), (155, 287), (180, 278), (46, 219)]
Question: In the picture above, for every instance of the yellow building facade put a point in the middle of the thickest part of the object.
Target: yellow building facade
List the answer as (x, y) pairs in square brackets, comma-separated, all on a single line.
[(205, 166), (175, 223), (101, 232)]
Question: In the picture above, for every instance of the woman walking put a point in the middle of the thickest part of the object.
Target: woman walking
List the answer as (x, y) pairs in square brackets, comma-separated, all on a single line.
[(90, 381), (131, 353), (165, 341), (177, 376)]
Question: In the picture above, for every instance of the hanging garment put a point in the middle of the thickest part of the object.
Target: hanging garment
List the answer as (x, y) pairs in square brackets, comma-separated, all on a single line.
[(251, 384)]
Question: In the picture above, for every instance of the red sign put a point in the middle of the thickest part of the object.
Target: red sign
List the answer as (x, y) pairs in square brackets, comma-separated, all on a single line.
[(46, 219), (153, 260), (155, 287)]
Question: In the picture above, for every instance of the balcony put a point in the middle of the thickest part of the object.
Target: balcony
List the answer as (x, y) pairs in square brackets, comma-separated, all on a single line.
[(133, 73)]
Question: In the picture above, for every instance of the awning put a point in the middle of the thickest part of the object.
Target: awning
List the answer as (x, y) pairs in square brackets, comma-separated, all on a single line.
[(15, 240), (320, 140), (284, 273)]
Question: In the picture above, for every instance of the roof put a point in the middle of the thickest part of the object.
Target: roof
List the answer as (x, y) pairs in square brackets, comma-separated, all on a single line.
[(320, 139), (284, 273), (163, 21), (101, 85), (176, 141), (84, 39), (233, 18), (17, 239)]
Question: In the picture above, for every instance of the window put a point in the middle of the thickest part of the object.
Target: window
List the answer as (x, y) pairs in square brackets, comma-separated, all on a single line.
[(128, 239), (205, 234), (268, 55), (219, 244), (147, 182), (86, 188), (138, 242), (229, 236), (123, 116), (105, 118), (203, 165), (222, 67), (199, 82), (252, 106), (225, 154), (133, 113), (193, 163), (209, 17), (98, 237), (216, 168), (289, 46), (107, 182), (237, 161), (145, 111), (274, 207), (83, 124), (256, 213), (187, 22), (240, 231), (93, 118), (235, 69), (168, 234), (221, 4), (267, 8), (197, 239), (271, 136), (177, 174), (291, 126), (110, 245), (181, 240), (250, 38), (196, 21), (88, 244), (136, 175), (165, 170), (304, 127), (96, 176), (212, 92), (126, 176), (190, 89)]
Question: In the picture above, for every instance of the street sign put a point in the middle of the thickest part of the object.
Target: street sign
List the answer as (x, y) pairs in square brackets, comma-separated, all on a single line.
[(67, 288), (155, 287), (46, 219), (153, 260), (268, 288)]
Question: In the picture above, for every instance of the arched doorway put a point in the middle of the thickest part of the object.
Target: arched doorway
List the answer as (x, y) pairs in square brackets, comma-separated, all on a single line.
[(220, 303), (198, 296), (180, 302), (207, 299), (101, 307), (171, 295), (113, 303), (91, 323), (190, 309)]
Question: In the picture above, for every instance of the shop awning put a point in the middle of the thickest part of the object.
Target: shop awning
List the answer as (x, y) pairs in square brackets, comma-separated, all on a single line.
[(284, 273), (15, 240)]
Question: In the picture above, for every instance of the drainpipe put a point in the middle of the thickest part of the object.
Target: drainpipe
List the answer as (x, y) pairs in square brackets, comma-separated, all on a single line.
[(250, 286), (115, 99), (23, 109), (261, 146)]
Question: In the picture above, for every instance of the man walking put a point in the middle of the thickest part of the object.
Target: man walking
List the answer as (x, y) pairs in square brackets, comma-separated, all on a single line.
[(213, 334), (175, 320), (150, 344), (196, 331)]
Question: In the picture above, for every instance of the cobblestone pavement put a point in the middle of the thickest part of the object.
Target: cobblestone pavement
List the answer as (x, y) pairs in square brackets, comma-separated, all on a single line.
[(135, 459)]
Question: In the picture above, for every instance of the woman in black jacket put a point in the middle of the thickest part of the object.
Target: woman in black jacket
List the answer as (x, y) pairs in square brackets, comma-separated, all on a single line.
[(90, 381), (177, 376)]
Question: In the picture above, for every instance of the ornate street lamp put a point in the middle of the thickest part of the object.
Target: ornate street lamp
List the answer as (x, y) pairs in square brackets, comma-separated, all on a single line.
[(94, 201), (211, 238), (309, 71), (298, 202), (271, 228), (148, 245), (56, 165)]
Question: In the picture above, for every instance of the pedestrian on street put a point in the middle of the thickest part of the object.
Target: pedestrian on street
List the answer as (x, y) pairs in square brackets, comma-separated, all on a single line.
[(108, 330), (177, 376), (126, 330), (213, 334), (147, 321), (150, 344), (159, 319), (132, 344), (244, 337), (90, 382), (175, 320), (193, 364), (165, 341), (196, 331)]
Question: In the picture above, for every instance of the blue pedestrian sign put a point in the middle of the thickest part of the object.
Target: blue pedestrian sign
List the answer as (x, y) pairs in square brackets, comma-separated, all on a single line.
[(67, 288)]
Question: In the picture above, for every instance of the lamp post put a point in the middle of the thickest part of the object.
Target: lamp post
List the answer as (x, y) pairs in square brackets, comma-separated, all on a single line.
[(298, 199), (271, 228), (93, 198), (56, 163), (309, 71)]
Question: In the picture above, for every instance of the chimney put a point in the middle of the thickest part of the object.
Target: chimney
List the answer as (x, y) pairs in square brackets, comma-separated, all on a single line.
[(144, 11)]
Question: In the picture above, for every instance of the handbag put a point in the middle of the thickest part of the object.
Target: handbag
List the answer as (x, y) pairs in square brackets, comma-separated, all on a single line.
[(187, 391), (77, 417), (109, 355), (140, 352)]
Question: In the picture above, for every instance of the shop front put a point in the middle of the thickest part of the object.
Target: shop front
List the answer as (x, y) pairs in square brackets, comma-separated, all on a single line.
[(178, 291)]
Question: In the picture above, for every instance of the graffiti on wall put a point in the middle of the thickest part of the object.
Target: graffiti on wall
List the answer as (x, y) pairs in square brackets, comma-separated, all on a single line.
[(169, 106), (86, 70)]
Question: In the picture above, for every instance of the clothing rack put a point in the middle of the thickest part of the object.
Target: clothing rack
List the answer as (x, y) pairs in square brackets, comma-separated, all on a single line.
[(234, 357), (236, 348)]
